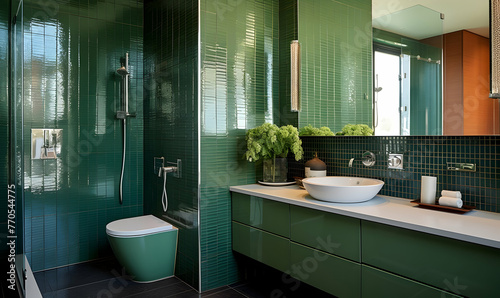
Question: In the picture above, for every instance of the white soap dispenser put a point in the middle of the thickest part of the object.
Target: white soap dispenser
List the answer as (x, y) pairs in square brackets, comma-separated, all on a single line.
[(315, 167)]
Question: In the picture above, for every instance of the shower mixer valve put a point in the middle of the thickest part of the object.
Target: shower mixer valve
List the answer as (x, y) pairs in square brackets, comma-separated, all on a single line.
[(166, 170), (172, 167)]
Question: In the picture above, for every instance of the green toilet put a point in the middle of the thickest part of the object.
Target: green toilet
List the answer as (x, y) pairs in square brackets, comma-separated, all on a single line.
[(145, 245)]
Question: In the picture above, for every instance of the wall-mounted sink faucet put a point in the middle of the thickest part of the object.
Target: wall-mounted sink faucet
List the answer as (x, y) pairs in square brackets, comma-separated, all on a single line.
[(350, 162), (368, 159)]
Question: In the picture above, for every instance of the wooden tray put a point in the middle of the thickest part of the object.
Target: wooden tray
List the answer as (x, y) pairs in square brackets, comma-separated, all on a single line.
[(299, 182), (462, 210)]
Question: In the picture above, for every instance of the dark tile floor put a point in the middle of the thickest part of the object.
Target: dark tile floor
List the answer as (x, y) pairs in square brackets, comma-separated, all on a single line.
[(105, 278)]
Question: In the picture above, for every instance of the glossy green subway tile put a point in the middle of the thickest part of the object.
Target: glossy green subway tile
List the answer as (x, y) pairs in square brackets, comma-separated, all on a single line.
[(171, 118), (37, 261), (233, 107), (63, 93), (287, 33), (336, 34)]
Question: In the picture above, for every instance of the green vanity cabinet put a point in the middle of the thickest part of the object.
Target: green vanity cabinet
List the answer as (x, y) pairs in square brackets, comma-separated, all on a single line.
[(380, 284), (332, 274), (259, 245), (262, 214), (350, 257), (456, 266), (332, 233)]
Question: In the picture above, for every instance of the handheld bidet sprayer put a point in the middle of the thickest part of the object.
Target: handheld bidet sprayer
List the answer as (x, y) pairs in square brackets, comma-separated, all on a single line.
[(164, 199), (165, 171)]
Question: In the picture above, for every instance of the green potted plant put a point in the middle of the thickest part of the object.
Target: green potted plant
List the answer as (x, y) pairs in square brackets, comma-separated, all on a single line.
[(355, 130), (272, 144), (310, 130)]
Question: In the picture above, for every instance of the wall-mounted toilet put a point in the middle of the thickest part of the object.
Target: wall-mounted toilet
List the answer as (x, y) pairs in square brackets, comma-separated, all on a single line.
[(145, 245)]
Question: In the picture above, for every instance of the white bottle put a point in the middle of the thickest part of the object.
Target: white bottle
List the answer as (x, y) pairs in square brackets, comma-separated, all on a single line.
[(428, 190)]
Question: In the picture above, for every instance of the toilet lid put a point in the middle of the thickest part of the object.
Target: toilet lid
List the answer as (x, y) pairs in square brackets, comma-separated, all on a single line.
[(137, 226)]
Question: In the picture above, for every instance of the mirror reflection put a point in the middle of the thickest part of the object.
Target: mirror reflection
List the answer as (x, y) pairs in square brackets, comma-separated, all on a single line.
[(46, 143), (431, 68)]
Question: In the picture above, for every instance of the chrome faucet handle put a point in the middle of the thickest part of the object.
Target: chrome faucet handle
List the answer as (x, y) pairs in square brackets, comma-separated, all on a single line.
[(166, 170), (368, 159)]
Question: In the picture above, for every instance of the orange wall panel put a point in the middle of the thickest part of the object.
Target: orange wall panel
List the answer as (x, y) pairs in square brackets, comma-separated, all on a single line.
[(453, 110), (478, 107), (468, 110)]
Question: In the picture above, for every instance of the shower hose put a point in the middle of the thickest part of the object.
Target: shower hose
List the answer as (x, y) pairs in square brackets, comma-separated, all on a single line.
[(123, 158)]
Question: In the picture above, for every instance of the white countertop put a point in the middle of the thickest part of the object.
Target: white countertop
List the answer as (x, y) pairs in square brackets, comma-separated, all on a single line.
[(479, 227)]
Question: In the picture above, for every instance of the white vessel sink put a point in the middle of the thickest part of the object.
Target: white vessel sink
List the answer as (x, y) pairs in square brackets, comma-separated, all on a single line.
[(342, 189)]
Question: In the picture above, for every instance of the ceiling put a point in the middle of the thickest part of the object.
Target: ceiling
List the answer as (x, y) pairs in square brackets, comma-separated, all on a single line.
[(472, 15)]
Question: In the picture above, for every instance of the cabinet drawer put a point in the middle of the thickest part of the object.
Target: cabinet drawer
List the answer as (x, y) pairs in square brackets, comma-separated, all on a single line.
[(334, 275), (260, 213), (259, 245), (376, 283), (455, 266), (331, 233)]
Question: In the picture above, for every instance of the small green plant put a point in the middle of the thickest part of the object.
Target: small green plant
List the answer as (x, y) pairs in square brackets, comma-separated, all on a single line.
[(356, 130), (270, 141), (310, 130)]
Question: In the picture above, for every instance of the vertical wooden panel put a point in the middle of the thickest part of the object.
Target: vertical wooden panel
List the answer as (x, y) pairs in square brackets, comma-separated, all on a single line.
[(478, 107), (468, 108), (453, 88)]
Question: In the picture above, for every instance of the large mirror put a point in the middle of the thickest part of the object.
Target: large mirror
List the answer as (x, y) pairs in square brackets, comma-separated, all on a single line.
[(431, 68)]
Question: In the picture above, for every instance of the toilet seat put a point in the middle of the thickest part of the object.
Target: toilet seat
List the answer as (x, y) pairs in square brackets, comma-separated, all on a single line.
[(137, 226)]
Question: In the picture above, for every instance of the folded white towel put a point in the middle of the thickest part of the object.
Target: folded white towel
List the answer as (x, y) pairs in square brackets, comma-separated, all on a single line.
[(451, 194), (452, 202)]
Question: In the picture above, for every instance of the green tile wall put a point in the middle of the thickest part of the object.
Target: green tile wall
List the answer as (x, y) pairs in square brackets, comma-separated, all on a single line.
[(71, 52), (423, 156), (171, 121), (288, 27), (239, 83), (336, 75)]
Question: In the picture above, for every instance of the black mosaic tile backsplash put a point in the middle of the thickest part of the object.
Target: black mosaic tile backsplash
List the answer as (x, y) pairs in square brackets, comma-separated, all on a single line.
[(423, 156)]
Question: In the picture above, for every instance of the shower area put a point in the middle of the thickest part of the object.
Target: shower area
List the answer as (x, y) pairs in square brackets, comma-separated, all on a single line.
[(62, 62), (71, 84), (74, 88)]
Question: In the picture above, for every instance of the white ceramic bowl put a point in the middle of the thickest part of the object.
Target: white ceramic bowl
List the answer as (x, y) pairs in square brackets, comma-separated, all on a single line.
[(342, 189)]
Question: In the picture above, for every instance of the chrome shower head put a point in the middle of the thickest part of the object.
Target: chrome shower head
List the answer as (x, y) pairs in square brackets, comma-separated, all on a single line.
[(122, 71), (378, 89)]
